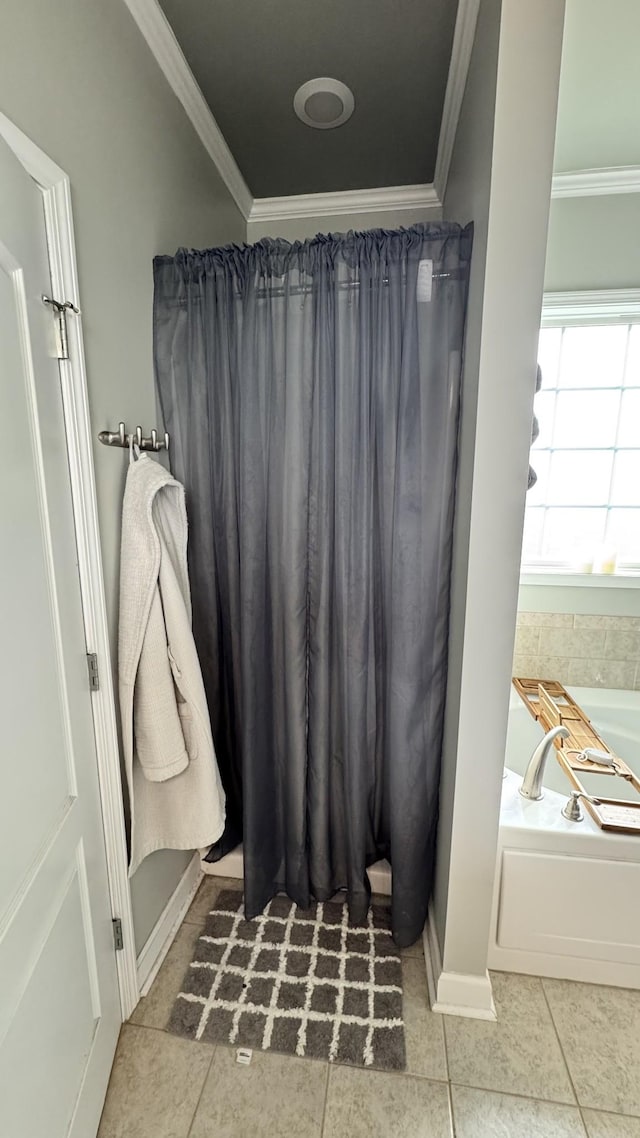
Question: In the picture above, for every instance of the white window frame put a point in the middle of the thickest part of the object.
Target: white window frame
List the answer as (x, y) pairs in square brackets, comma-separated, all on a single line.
[(561, 310)]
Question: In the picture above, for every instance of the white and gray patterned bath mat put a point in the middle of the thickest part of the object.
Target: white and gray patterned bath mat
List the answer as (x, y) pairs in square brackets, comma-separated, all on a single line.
[(296, 980)]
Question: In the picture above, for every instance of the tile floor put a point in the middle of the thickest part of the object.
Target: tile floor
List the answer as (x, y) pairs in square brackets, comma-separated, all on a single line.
[(563, 1061)]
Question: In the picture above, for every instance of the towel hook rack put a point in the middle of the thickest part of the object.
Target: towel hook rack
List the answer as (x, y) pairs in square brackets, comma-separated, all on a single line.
[(120, 438)]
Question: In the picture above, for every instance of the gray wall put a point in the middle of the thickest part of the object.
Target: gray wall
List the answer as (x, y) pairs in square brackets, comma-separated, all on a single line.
[(299, 229), (614, 598), (594, 243), (501, 177), (599, 86), (77, 77)]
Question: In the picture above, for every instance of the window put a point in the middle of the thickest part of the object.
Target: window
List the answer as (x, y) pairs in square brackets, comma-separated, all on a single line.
[(587, 455)]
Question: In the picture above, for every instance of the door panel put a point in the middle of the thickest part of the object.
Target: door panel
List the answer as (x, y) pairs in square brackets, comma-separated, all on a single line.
[(58, 1042), (34, 805), (59, 1002)]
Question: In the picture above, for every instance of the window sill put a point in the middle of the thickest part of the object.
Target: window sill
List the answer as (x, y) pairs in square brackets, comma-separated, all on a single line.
[(555, 577)]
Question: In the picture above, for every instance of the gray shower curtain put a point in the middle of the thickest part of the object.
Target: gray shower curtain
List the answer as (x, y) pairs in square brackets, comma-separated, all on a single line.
[(311, 391)]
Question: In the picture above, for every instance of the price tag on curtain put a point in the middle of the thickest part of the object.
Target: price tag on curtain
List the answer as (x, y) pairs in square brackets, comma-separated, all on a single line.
[(425, 281)]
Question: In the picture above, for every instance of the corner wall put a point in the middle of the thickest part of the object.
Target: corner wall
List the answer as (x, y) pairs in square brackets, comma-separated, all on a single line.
[(594, 243), (79, 80), (500, 178), (466, 198)]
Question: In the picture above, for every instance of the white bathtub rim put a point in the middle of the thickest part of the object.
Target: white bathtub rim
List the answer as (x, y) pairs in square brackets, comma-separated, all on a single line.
[(541, 825), (584, 970)]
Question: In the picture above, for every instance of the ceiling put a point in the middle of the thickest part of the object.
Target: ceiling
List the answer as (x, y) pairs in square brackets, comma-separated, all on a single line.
[(599, 86), (250, 56)]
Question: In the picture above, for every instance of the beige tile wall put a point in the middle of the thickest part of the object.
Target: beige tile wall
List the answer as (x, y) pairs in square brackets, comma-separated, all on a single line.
[(590, 651)]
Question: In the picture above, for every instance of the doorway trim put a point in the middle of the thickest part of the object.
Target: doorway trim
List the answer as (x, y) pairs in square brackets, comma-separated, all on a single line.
[(56, 193)]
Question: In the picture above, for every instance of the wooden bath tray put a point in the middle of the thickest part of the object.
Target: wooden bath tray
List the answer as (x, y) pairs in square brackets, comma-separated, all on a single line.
[(552, 706)]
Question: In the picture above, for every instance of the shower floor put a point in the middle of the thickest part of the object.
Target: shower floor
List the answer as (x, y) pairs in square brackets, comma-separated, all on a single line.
[(563, 1061)]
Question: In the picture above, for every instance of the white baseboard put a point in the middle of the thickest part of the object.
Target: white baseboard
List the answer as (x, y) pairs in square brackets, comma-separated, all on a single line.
[(461, 995), (431, 956), (167, 925), (454, 993)]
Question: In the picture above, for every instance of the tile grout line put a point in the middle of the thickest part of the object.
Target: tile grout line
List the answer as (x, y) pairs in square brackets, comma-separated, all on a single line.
[(534, 1098), (612, 1113), (524, 1098), (326, 1100), (190, 1130), (557, 1035), (444, 1044), (162, 1030), (451, 1110)]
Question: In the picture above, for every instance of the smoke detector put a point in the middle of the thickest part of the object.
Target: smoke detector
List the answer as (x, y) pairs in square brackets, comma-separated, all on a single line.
[(323, 103)]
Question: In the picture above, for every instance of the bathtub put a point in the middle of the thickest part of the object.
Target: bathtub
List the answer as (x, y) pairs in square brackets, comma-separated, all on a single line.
[(567, 895)]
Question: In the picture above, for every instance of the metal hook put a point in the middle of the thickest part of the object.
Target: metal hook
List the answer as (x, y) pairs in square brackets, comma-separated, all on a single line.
[(60, 305), (120, 438)]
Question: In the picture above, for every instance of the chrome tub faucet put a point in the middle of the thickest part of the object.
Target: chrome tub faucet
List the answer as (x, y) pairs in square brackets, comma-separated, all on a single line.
[(532, 781)]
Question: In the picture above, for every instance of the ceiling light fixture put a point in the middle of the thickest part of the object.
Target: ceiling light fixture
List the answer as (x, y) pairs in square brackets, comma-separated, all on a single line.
[(323, 103)]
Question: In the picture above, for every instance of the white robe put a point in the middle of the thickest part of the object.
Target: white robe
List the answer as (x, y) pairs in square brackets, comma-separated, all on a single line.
[(176, 796)]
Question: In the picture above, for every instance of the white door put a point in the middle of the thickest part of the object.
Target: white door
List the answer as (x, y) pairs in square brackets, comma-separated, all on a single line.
[(59, 1002)]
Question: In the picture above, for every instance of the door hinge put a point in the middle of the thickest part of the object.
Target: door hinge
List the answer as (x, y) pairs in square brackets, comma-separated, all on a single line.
[(60, 312), (118, 938), (94, 674)]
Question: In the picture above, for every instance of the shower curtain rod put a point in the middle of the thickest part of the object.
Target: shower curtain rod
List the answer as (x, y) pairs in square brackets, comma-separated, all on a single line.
[(303, 290)]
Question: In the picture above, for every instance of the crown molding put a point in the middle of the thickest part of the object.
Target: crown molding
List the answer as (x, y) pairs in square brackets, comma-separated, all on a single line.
[(463, 37), (598, 306), (159, 35), (381, 199), (590, 183)]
